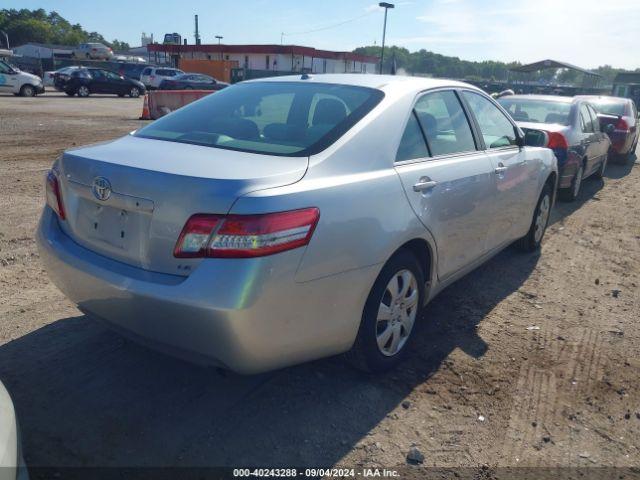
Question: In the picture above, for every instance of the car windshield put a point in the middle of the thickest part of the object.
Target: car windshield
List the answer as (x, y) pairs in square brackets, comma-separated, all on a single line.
[(277, 118), (537, 111), (610, 107)]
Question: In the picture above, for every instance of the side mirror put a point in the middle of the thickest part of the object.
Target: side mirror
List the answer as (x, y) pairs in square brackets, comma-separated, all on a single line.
[(536, 138), (609, 128)]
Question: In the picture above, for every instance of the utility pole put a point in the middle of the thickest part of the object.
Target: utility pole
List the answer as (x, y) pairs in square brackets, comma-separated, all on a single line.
[(386, 7), (197, 34), (219, 37)]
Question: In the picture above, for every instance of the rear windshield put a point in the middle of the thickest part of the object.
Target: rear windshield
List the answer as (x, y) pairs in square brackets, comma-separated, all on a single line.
[(276, 118), (609, 107), (537, 111)]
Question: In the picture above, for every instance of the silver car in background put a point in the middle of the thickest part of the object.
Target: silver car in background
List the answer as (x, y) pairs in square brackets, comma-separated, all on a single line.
[(574, 134), (293, 218)]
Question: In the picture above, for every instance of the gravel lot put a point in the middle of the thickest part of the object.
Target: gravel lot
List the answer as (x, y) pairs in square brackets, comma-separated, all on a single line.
[(481, 388)]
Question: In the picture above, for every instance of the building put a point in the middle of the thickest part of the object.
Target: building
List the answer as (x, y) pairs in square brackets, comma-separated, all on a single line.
[(40, 50), (627, 84), (268, 58)]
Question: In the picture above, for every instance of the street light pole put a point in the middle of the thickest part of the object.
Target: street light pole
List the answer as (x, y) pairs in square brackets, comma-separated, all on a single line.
[(386, 7), (219, 37)]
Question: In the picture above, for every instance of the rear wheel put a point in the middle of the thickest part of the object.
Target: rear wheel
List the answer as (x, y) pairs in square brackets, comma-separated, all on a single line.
[(27, 91), (532, 240), (83, 91), (603, 167), (390, 313), (571, 193)]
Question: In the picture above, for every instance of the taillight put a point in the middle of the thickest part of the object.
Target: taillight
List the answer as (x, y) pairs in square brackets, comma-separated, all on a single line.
[(245, 236), (557, 140), (53, 194), (622, 125)]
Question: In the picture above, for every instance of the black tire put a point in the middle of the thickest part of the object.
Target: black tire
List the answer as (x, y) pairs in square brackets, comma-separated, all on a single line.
[(603, 167), (134, 92), (71, 94), (573, 192), (365, 353), (27, 91), (83, 91), (532, 240)]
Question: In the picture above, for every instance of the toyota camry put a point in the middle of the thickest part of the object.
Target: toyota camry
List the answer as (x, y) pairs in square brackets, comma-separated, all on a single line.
[(287, 219)]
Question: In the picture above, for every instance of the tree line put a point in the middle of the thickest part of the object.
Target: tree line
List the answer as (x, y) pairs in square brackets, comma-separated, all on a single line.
[(424, 62), (38, 26)]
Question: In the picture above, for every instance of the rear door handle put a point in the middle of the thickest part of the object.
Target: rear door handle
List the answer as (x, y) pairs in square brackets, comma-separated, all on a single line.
[(424, 185), (500, 170)]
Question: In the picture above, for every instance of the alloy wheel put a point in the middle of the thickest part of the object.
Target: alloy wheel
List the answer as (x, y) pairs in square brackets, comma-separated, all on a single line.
[(397, 313), (83, 91), (542, 218), (577, 182), (135, 92)]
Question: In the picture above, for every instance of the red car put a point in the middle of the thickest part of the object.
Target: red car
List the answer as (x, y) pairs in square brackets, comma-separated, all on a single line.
[(619, 119)]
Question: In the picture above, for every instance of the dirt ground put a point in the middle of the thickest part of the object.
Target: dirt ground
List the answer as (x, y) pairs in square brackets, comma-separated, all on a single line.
[(531, 360)]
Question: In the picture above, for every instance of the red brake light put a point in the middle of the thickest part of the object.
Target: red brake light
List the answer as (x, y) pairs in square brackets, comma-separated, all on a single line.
[(557, 140), (622, 125), (53, 194), (244, 236)]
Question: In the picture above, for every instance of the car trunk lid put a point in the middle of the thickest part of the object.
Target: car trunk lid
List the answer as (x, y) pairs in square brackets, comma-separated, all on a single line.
[(130, 198)]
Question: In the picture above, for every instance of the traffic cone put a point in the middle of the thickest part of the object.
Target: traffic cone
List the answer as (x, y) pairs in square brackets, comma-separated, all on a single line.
[(146, 114)]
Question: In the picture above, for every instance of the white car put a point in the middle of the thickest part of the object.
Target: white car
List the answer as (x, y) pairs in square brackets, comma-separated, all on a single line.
[(92, 51), (12, 80), (152, 77), (11, 464)]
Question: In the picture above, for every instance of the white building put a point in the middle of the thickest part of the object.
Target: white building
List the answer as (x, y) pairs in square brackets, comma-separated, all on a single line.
[(40, 50), (277, 58)]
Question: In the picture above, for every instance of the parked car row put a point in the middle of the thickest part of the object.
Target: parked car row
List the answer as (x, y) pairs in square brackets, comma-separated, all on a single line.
[(583, 131)]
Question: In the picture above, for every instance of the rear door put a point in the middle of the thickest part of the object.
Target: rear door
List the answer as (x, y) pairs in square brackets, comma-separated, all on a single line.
[(99, 82), (589, 142), (515, 191), (448, 182), (601, 138)]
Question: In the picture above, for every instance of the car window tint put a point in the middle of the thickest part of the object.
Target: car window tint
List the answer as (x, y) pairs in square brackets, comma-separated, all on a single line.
[(444, 123), (523, 109), (412, 144), (496, 129), (4, 68), (146, 71), (268, 117), (585, 119)]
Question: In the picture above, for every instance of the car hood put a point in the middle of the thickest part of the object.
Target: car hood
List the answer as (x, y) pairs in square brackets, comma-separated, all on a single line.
[(31, 77)]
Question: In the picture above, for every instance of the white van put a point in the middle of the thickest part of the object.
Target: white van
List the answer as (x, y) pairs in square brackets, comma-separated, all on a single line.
[(152, 77), (12, 80)]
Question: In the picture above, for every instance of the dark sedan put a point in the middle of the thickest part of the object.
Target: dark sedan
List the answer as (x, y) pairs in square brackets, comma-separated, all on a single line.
[(192, 81), (85, 81), (574, 133), (619, 118)]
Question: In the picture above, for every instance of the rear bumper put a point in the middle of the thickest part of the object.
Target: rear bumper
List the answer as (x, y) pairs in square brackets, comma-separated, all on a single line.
[(621, 143), (247, 315)]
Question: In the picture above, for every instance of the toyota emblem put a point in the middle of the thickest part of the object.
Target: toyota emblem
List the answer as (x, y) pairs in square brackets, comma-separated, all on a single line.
[(101, 188)]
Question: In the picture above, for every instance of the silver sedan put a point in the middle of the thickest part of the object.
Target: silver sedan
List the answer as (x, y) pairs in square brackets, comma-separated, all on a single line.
[(289, 219)]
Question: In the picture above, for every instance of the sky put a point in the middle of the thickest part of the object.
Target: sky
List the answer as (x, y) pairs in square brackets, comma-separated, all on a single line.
[(587, 33)]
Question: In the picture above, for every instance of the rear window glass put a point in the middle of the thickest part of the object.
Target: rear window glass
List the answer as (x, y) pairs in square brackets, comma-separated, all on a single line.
[(610, 108), (277, 118), (537, 111)]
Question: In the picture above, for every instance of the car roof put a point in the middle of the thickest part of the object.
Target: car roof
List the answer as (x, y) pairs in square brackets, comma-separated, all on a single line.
[(548, 98), (606, 98), (380, 82)]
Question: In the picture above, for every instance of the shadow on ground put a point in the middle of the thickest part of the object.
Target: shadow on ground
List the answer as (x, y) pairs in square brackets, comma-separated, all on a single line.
[(87, 397)]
